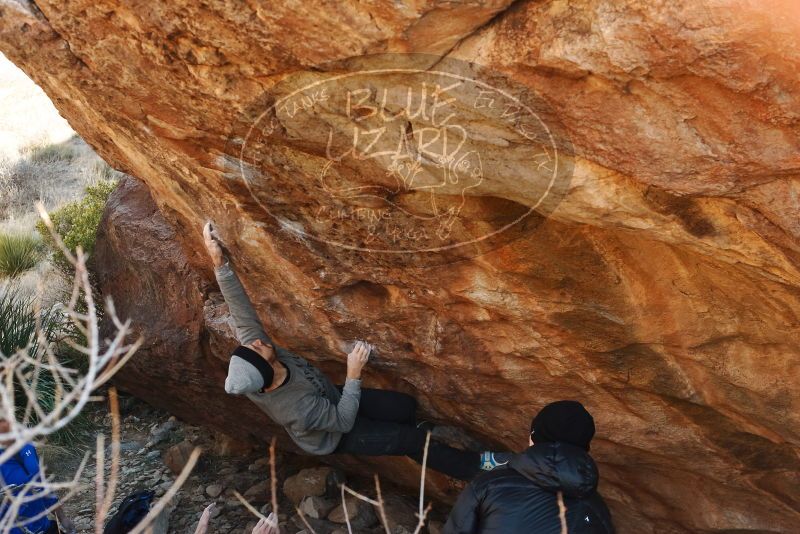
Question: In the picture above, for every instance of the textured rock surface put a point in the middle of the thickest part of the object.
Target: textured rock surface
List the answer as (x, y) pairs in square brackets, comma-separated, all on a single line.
[(663, 290), (187, 338)]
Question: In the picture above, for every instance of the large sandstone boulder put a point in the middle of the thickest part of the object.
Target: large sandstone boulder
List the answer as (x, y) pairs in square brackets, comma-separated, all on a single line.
[(176, 309), (614, 216)]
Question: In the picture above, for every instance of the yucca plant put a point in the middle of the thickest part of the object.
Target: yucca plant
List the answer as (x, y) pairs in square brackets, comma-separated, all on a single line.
[(18, 322), (18, 318), (18, 253)]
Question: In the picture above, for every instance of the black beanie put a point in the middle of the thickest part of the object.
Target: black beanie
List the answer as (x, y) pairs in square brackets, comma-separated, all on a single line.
[(566, 421), (256, 360)]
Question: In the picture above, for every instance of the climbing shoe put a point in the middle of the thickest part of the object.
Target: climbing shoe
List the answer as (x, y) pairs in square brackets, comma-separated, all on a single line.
[(493, 460)]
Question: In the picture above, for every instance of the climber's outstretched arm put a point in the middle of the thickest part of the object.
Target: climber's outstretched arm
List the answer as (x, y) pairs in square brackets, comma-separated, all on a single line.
[(248, 325)]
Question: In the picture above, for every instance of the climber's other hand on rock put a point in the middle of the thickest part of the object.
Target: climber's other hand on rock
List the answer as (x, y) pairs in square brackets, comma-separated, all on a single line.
[(213, 245), (357, 359)]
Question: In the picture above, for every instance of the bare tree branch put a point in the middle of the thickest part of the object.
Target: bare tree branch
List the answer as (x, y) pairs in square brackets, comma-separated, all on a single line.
[(102, 510), (381, 509), (23, 373), (346, 513), (169, 495), (562, 512), (306, 524), (273, 482), (72, 391)]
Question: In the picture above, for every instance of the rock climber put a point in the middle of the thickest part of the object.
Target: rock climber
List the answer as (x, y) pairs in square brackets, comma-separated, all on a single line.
[(549, 488), (321, 418), (25, 496)]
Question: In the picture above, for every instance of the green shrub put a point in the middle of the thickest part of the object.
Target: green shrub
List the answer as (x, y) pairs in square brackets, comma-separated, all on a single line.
[(17, 331), (18, 253), (77, 223)]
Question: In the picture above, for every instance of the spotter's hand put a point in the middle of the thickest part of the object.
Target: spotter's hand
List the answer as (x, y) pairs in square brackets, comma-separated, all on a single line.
[(267, 526), (202, 525)]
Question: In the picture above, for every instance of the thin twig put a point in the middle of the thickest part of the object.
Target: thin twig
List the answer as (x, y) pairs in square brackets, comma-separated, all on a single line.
[(358, 495), (27, 368), (422, 518), (249, 506), (381, 509), (346, 513), (562, 512), (423, 513), (302, 517), (99, 482), (273, 482), (10, 518), (273, 491), (168, 496), (422, 476), (113, 477)]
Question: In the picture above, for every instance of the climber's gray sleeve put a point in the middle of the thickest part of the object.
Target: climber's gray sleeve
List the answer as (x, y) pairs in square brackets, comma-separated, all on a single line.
[(245, 319), (322, 414)]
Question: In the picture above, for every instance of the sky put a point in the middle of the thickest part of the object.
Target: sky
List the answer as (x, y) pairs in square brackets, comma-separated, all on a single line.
[(27, 116)]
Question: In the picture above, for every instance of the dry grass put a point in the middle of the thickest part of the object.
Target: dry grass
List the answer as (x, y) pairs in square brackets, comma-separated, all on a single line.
[(46, 281), (51, 174), (41, 158)]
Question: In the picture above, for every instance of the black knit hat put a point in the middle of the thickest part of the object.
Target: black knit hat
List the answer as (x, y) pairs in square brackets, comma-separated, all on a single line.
[(566, 421), (238, 373)]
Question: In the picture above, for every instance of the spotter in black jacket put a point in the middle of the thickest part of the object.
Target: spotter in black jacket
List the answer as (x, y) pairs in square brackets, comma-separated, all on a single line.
[(522, 498)]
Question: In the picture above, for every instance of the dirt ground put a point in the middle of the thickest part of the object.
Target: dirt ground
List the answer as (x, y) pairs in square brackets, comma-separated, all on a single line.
[(225, 466)]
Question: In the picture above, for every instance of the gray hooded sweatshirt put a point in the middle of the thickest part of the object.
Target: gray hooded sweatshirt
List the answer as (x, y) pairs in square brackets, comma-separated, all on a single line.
[(307, 405)]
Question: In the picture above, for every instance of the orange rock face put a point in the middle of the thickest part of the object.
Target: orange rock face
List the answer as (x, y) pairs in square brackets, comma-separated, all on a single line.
[(609, 214)]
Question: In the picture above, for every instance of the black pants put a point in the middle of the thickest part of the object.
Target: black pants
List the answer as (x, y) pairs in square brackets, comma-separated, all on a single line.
[(386, 425)]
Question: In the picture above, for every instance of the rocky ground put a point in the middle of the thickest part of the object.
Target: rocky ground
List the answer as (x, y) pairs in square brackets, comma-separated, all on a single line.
[(155, 446)]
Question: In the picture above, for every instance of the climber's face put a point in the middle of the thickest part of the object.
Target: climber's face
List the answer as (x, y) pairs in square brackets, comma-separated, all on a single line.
[(266, 350)]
